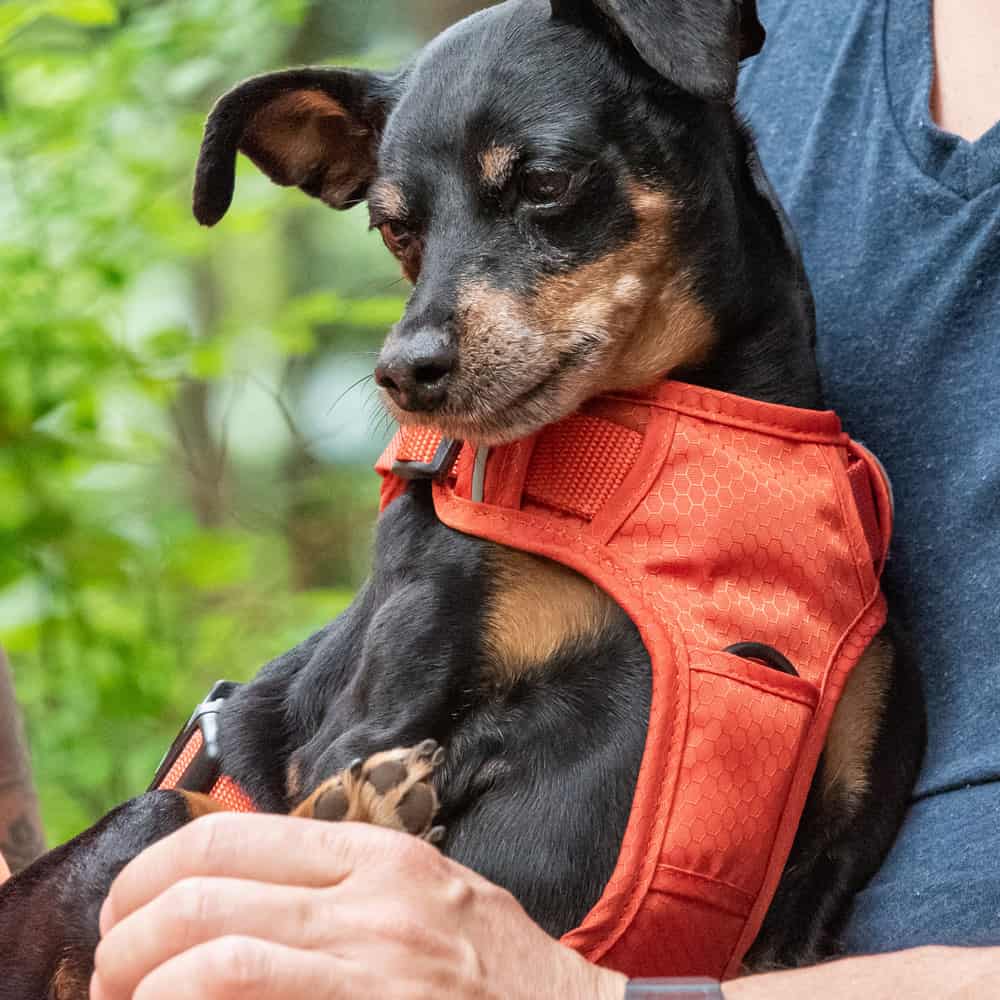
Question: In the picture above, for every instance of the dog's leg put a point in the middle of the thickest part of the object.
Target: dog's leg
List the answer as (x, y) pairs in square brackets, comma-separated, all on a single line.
[(854, 809), (49, 912), (390, 789)]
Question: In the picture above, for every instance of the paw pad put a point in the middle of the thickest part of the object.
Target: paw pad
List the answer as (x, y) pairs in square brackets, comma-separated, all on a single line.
[(332, 805), (390, 789)]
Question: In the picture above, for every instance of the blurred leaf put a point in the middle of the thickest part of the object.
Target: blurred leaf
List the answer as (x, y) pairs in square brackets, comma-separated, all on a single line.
[(84, 11), (16, 15), (149, 541), (209, 561)]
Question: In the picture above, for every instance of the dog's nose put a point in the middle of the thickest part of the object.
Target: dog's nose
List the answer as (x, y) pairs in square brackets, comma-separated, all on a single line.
[(416, 370)]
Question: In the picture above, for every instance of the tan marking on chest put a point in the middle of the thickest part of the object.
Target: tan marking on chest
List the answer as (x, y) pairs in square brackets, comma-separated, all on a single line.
[(200, 805), (856, 725), (70, 982), (538, 607)]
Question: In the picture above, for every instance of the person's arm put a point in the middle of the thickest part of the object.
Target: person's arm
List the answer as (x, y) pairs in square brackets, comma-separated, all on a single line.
[(272, 907), (929, 973), (21, 839)]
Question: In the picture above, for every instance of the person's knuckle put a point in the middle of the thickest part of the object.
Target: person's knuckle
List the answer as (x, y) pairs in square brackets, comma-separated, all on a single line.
[(232, 965), (108, 963), (188, 904), (309, 918), (457, 890), (331, 838)]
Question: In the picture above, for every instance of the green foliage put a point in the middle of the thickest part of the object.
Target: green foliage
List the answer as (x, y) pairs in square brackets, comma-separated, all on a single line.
[(164, 517)]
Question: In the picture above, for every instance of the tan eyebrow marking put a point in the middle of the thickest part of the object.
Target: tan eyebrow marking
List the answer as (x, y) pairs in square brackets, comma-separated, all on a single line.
[(497, 164), (387, 199)]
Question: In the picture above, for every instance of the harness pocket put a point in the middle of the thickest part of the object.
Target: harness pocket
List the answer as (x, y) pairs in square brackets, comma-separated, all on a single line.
[(747, 724)]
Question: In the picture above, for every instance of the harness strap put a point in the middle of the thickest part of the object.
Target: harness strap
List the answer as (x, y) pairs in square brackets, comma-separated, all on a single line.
[(194, 761), (860, 481), (577, 464), (224, 790)]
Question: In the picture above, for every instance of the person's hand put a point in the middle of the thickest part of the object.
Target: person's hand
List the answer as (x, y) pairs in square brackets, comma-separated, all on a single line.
[(920, 974), (273, 908)]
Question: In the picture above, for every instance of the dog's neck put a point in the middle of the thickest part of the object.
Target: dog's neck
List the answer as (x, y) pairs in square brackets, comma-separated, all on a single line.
[(770, 359), (766, 335)]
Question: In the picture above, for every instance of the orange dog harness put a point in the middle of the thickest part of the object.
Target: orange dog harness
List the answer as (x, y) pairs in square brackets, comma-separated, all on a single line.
[(713, 520)]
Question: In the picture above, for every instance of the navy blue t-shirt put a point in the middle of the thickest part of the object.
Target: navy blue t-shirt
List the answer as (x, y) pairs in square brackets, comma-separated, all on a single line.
[(900, 226)]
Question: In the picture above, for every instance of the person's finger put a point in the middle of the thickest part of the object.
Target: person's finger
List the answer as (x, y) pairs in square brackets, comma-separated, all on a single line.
[(264, 848), (240, 968), (196, 910)]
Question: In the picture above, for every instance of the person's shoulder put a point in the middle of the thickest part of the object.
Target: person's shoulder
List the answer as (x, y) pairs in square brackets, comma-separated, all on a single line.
[(803, 42), (779, 14)]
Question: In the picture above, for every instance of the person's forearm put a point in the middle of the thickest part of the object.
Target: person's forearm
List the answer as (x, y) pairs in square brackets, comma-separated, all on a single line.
[(21, 838), (930, 973)]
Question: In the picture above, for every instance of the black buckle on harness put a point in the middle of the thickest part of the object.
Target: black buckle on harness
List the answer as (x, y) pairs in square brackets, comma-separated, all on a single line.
[(437, 468), (204, 770)]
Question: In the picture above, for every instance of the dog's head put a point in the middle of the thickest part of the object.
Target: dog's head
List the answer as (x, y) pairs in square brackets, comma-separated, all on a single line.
[(557, 179)]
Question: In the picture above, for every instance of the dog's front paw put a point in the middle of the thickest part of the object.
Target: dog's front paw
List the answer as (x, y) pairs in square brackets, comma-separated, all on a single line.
[(390, 789)]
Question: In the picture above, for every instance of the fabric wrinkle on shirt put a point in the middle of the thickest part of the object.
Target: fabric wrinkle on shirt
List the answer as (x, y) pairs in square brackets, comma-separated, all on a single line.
[(900, 226)]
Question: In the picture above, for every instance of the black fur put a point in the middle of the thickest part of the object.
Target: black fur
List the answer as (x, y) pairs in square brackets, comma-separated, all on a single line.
[(367, 94), (539, 778)]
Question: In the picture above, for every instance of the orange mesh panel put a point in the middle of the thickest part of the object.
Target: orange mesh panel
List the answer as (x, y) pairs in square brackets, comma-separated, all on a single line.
[(229, 795), (184, 761), (225, 790), (577, 464), (418, 444)]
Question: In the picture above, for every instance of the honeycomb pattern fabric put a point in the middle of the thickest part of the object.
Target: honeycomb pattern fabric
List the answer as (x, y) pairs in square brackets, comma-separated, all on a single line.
[(712, 520), (746, 727)]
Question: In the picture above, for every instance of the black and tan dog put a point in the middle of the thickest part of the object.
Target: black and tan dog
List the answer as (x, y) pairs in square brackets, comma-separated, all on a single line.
[(539, 161)]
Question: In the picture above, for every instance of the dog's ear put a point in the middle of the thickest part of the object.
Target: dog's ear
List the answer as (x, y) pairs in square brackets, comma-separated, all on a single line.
[(695, 44), (318, 129)]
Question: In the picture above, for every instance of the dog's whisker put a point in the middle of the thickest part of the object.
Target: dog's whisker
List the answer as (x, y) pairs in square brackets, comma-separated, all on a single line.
[(348, 390)]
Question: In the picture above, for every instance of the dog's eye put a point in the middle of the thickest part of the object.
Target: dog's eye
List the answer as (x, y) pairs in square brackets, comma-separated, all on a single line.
[(396, 236), (545, 187)]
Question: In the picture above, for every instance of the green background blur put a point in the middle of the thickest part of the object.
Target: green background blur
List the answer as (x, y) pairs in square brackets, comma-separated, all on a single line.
[(186, 418)]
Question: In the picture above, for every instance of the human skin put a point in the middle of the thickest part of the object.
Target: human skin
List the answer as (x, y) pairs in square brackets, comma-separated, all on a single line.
[(224, 909), (267, 907), (966, 92), (21, 839), (929, 973)]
